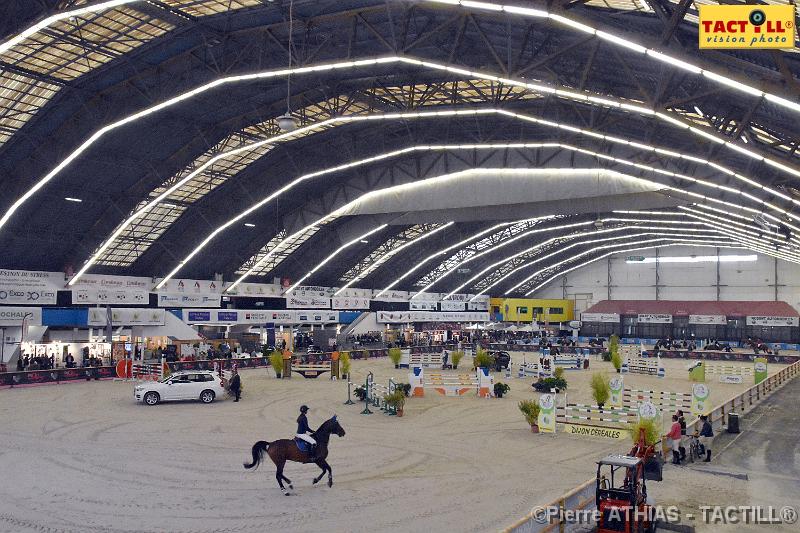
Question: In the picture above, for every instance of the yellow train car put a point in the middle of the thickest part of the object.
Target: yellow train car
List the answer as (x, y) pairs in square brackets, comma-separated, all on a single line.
[(526, 309)]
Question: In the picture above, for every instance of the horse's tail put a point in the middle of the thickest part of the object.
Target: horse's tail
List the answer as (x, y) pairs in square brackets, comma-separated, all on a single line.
[(258, 453)]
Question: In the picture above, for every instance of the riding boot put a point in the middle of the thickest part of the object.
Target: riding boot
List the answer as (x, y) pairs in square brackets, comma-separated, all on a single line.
[(683, 453), (708, 456), (676, 458)]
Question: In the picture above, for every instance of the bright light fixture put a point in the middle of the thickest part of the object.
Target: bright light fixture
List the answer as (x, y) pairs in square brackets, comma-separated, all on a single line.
[(249, 225), (69, 199), (696, 259)]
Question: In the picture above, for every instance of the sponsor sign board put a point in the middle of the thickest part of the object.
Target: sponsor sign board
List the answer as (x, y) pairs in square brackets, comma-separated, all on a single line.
[(188, 300), (385, 317), (771, 321), (747, 27), (719, 320), (126, 317), (600, 317), (295, 301), (451, 306), (29, 286), (578, 430), (13, 316), (422, 305), (349, 302), (654, 318)]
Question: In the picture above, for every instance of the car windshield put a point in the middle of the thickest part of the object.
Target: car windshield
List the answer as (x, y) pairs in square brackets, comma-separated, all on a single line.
[(166, 378)]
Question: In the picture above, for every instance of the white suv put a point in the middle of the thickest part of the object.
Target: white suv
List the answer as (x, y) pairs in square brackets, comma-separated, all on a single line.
[(203, 385)]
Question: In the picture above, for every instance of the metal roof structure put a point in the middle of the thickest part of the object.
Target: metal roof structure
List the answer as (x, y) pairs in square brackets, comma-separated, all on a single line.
[(161, 117)]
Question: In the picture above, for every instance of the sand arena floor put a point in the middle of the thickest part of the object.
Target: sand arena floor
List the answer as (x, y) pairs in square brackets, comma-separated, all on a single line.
[(86, 458)]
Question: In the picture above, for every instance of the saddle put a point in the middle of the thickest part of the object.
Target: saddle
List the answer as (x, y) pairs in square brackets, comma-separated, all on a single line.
[(303, 446)]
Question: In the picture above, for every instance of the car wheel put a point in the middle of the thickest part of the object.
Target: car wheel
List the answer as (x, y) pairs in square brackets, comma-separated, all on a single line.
[(152, 398), (207, 396)]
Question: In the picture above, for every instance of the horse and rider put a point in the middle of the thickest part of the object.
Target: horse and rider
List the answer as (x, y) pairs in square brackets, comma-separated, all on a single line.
[(307, 447)]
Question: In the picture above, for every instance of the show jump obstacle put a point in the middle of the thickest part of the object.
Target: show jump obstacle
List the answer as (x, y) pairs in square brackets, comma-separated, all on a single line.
[(313, 370), (481, 382), (634, 363), (729, 373)]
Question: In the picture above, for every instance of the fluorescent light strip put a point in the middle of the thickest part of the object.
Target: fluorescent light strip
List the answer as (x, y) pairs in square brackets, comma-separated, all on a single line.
[(371, 62), (597, 248), (567, 236), (445, 250), (695, 259), (623, 42), (64, 15), (751, 230), (460, 147), (573, 245), (334, 254), (755, 244), (589, 262), (385, 257), (494, 248)]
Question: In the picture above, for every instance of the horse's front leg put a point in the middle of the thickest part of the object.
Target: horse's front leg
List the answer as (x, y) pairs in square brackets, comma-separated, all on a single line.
[(322, 464)]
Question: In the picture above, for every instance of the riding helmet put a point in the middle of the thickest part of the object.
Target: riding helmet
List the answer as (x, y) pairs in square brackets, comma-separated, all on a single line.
[(303, 408)]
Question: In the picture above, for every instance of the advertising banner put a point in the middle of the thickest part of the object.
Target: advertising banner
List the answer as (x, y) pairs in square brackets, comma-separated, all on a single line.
[(616, 384), (303, 291), (422, 305), (480, 303), (748, 27), (13, 316), (717, 320), (190, 286), (29, 287), (317, 317), (307, 301), (654, 318), (447, 305), (260, 316), (126, 317), (349, 302), (771, 321), (577, 430), (257, 290), (547, 413), (102, 289), (189, 300), (700, 397), (600, 317), (391, 296), (101, 295), (391, 317), (760, 369)]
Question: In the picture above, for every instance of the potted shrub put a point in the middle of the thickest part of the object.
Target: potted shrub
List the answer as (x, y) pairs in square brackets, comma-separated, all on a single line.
[(600, 389), (616, 359), (606, 356), (344, 364), (395, 354), (397, 400), (483, 359), (455, 358), (548, 384), (276, 362), (558, 373), (500, 389), (530, 409)]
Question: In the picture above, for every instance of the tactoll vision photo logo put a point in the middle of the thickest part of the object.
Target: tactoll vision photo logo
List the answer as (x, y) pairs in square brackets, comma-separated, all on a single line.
[(746, 26)]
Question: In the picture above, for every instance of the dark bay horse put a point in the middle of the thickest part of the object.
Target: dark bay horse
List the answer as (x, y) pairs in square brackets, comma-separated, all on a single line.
[(284, 450)]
